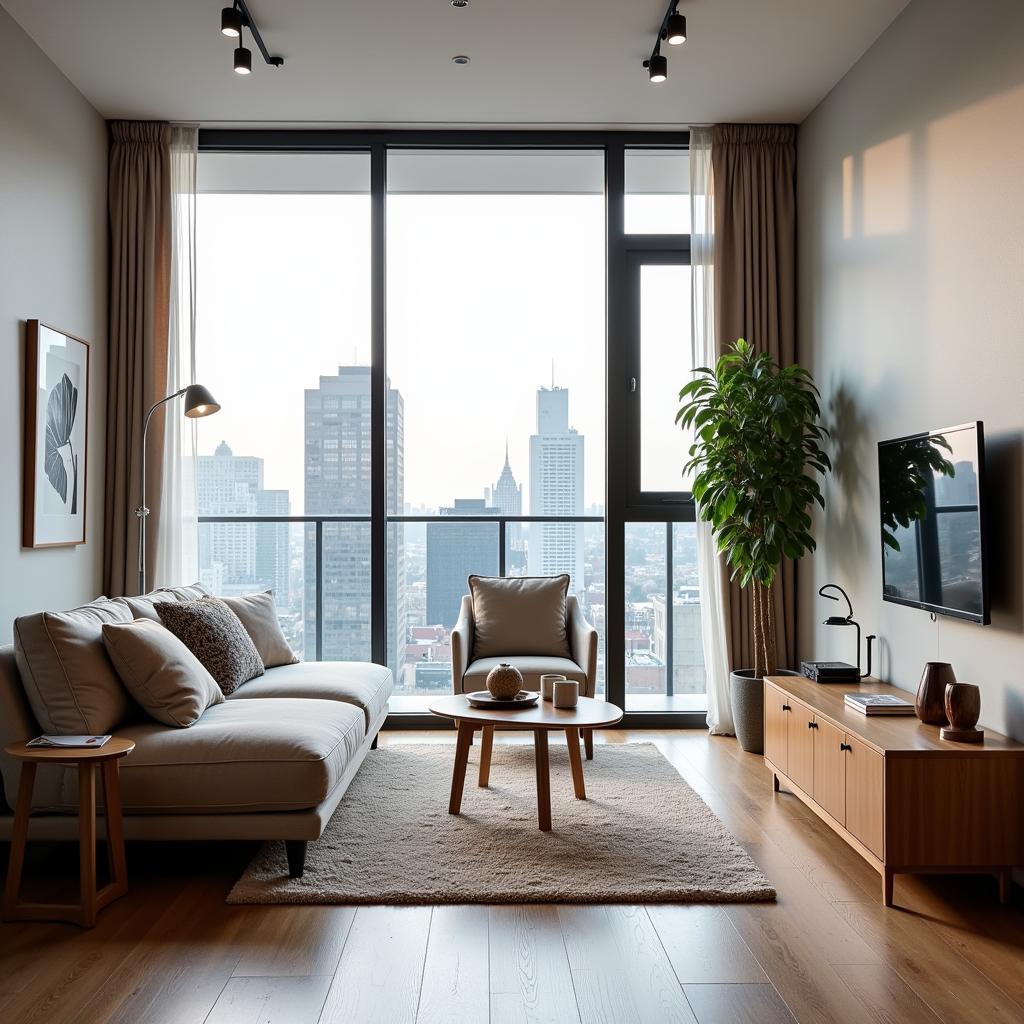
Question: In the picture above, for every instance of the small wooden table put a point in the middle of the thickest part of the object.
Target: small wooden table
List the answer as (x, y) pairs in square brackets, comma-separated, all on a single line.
[(88, 759), (540, 719)]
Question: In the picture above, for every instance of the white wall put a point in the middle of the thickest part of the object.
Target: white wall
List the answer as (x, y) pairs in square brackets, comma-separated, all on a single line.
[(53, 267), (911, 259)]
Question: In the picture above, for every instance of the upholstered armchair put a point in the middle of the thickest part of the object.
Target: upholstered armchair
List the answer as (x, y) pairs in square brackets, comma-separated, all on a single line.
[(530, 621)]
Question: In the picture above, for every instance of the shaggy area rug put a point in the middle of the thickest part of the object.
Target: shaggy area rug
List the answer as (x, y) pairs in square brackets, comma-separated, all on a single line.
[(641, 836)]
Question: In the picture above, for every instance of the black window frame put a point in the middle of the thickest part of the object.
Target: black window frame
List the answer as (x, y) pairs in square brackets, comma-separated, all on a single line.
[(623, 501)]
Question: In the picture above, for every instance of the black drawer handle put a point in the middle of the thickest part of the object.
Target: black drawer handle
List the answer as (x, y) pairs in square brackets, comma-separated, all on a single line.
[(786, 707), (812, 725), (845, 746)]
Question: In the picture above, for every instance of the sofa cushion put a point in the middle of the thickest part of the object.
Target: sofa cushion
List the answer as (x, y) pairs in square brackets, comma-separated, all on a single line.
[(258, 616), (241, 756), (519, 615), (142, 607), (167, 680), (532, 669), (362, 684), (213, 633), (70, 682)]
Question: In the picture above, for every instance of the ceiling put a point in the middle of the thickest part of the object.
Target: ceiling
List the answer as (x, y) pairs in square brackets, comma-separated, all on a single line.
[(388, 62)]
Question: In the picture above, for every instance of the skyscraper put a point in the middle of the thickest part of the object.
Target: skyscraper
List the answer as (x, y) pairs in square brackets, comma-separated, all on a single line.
[(454, 550), (337, 482), (238, 557), (556, 489), (506, 497)]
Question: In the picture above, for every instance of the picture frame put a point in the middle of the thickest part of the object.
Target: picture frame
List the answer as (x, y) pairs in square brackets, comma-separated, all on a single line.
[(56, 437)]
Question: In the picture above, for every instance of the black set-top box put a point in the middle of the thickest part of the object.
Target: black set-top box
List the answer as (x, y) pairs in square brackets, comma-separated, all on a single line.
[(830, 671)]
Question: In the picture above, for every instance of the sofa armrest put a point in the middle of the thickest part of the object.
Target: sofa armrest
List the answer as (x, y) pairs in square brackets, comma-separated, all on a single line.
[(583, 644), (462, 643)]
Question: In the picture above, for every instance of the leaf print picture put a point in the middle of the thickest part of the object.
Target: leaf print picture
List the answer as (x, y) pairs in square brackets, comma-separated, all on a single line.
[(56, 408)]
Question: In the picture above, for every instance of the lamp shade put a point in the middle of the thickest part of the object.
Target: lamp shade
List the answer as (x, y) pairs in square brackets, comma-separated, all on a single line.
[(199, 402)]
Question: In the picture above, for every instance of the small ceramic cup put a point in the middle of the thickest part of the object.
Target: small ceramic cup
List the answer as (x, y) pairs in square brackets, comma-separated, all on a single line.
[(547, 685), (567, 693)]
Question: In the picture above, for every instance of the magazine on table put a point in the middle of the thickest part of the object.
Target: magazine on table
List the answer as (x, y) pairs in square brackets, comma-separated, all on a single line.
[(69, 742)]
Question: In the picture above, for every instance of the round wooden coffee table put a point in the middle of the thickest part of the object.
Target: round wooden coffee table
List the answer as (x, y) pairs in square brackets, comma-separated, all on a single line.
[(541, 719)]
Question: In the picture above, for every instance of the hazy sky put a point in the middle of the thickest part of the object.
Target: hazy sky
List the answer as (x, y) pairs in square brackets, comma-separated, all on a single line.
[(484, 293)]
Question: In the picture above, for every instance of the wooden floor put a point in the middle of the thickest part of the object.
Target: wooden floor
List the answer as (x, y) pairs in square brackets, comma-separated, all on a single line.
[(171, 952)]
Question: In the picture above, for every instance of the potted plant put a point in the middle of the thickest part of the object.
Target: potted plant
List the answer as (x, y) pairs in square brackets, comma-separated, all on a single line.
[(757, 447)]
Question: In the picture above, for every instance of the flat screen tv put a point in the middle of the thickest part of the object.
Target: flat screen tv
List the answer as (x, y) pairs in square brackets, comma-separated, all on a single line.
[(932, 489)]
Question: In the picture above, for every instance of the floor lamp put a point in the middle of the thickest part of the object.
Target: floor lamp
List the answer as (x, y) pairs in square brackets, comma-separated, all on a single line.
[(198, 403)]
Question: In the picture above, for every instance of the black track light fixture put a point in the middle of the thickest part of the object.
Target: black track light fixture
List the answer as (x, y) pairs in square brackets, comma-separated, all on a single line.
[(675, 29), (233, 20), (673, 32), (243, 60)]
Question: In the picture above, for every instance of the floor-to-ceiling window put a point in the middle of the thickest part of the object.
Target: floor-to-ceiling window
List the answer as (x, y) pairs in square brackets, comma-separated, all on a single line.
[(449, 302)]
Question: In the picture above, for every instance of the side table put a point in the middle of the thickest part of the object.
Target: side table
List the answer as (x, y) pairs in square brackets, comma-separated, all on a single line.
[(89, 761)]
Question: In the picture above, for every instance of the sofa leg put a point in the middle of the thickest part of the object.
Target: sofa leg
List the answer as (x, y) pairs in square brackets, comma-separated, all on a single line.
[(296, 850), (373, 745)]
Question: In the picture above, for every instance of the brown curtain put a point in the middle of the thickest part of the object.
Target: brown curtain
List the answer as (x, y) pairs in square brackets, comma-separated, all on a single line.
[(139, 198), (754, 169)]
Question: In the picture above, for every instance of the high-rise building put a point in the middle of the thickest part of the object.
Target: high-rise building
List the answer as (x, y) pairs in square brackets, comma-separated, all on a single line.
[(337, 482), (506, 496), (454, 550), (239, 557), (688, 673), (556, 489)]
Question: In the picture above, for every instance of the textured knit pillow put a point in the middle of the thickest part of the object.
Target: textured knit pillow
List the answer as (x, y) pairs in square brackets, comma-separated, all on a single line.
[(160, 672), (214, 634), (258, 615)]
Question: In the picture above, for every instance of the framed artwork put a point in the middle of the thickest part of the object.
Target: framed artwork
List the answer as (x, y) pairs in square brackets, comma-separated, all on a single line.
[(56, 437)]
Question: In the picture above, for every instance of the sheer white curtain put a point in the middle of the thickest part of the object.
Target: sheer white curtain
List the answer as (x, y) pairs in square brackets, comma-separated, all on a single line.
[(712, 586), (177, 549)]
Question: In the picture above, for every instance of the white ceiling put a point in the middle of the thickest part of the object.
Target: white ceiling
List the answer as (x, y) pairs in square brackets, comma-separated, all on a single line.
[(388, 62)]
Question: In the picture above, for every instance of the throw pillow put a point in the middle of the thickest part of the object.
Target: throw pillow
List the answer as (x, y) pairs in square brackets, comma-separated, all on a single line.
[(212, 632), (70, 683), (518, 615), (259, 617), (160, 672), (142, 607)]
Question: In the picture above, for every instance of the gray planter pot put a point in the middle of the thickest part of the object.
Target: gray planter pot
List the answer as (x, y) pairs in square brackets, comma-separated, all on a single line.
[(746, 693)]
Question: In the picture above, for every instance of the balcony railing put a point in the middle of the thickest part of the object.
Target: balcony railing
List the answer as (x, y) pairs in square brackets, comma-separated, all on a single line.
[(318, 521)]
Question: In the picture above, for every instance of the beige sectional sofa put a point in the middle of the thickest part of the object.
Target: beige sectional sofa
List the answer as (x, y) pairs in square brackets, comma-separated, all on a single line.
[(272, 761)]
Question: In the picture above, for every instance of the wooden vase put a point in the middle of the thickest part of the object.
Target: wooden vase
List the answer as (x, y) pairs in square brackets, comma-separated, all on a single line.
[(930, 704), (963, 707)]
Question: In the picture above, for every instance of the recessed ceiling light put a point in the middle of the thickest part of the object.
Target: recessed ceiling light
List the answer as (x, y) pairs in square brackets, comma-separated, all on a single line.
[(460, 4), (460, 59)]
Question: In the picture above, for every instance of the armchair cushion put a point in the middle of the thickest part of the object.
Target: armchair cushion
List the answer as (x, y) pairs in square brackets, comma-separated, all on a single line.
[(532, 668), (519, 615)]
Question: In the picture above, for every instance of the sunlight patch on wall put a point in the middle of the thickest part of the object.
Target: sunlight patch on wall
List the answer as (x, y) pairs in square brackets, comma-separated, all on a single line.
[(886, 187)]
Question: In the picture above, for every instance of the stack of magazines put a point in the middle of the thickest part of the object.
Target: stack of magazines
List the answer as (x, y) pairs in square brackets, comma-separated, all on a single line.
[(68, 741), (878, 704)]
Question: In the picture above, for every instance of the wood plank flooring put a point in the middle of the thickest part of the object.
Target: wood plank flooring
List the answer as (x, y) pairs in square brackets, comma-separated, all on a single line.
[(172, 952)]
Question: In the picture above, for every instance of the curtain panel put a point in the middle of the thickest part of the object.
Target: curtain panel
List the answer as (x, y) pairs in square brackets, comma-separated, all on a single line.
[(140, 262), (754, 173)]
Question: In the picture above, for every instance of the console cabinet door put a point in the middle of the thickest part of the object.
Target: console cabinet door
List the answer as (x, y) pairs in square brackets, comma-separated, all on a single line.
[(800, 750), (865, 794), (830, 769), (776, 723)]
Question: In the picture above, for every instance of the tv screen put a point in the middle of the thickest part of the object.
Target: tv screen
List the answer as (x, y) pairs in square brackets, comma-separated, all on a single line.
[(932, 504)]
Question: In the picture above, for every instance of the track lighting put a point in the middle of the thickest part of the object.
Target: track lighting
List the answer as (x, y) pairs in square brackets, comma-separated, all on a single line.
[(657, 67), (675, 29), (673, 32), (233, 20)]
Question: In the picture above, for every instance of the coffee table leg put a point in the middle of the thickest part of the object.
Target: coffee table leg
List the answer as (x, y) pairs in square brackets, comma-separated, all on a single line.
[(540, 749), (461, 758), (572, 739), (486, 742), (588, 742)]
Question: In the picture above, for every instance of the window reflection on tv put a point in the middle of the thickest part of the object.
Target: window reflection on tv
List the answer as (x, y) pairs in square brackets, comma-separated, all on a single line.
[(931, 487)]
